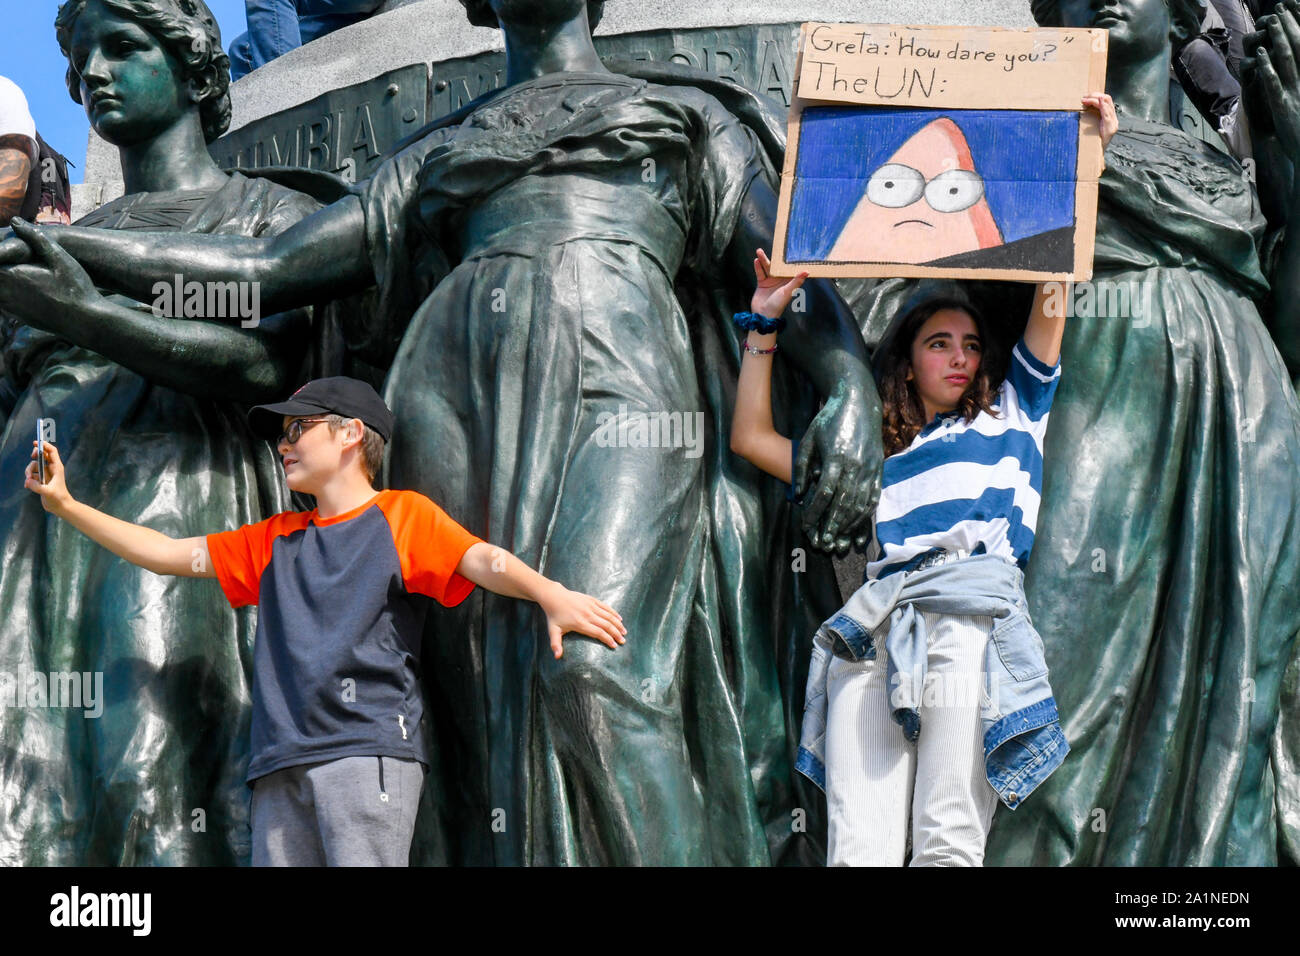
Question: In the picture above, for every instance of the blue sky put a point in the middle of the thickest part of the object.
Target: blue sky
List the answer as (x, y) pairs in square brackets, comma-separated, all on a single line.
[(29, 55)]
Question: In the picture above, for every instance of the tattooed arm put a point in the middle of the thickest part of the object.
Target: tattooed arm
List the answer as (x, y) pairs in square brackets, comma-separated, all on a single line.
[(16, 157)]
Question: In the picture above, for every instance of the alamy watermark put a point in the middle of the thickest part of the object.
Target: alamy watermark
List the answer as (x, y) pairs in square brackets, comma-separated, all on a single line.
[(651, 430), (79, 690), (1109, 298), (131, 911), (208, 300), (964, 690)]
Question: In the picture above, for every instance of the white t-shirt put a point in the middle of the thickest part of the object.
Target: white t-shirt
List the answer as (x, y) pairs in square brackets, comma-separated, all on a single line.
[(15, 118)]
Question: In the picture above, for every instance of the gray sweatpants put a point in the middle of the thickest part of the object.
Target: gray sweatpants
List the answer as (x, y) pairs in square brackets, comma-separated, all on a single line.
[(353, 811)]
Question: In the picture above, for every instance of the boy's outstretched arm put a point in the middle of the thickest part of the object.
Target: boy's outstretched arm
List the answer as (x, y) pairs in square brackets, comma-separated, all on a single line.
[(502, 573), (150, 549)]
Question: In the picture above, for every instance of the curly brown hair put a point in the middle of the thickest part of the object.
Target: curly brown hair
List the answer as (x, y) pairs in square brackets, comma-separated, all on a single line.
[(186, 29), (903, 411), (480, 12)]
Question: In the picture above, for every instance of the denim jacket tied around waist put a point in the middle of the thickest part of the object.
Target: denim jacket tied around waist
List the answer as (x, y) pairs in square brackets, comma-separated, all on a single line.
[(1023, 740)]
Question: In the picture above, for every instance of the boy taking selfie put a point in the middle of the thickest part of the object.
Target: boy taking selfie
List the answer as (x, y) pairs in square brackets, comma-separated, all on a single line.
[(338, 744)]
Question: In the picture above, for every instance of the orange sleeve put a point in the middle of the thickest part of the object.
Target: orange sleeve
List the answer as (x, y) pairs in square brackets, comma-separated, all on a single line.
[(429, 545), (239, 557)]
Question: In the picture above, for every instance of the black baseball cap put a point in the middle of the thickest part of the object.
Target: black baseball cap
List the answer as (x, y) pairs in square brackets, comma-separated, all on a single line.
[(339, 395)]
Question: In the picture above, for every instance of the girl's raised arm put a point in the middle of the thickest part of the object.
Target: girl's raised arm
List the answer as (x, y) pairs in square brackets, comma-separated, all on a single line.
[(753, 435), (1047, 316), (1047, 321)]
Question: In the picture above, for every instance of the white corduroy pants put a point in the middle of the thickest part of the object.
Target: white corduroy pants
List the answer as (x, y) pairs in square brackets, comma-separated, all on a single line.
[(878, 783)]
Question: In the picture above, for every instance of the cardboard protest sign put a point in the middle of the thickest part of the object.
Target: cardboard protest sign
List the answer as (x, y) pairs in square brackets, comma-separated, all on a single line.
[(942, 151)]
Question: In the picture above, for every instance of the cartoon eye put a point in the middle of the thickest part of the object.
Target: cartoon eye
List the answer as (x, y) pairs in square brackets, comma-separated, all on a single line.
[(895, 185), (954, 190)]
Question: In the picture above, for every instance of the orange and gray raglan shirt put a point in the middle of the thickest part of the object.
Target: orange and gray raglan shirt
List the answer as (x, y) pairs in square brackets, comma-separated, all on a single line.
[(341, 605)]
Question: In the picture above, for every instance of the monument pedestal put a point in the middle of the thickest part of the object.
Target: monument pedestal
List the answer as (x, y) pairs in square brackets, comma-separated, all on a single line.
[(339, 103)]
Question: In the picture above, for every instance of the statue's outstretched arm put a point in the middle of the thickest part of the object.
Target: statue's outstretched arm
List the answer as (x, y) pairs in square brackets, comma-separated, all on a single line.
[(207, 359), (320, 257), (823, 341)]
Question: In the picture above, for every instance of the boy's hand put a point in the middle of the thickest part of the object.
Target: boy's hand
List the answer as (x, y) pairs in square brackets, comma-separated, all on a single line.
[(571, 611), (54, 493), (502, 573), (772, 295)]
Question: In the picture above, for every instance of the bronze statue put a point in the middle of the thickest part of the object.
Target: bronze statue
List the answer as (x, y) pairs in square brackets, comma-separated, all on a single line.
[(558, 248), (1165, 569), (1183, 571), (152, 404)]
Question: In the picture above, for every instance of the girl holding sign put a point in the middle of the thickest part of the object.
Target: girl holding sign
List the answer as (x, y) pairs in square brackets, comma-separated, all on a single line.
[(939, 634)]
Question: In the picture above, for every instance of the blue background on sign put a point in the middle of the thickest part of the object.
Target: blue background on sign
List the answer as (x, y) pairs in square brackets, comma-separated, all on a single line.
[(1028, 161)]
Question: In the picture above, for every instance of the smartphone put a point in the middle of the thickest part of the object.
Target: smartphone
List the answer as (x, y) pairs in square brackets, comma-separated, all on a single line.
[(44, 433)]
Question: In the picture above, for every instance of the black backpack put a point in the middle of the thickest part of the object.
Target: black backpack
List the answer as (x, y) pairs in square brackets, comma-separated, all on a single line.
[(48, 184)]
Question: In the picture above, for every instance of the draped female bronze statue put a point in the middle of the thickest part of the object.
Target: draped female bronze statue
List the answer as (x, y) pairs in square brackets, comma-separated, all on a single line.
[(1167, 559), (1166, 563), (562, 224), (152, 407)]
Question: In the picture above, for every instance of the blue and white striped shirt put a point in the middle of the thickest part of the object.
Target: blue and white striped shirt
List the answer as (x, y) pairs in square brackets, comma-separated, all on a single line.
[(972, 486)]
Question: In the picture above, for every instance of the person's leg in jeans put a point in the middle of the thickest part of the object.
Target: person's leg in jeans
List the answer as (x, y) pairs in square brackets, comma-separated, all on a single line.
[(241, 57), (319, 17), (869, 768), (272, 32), (953, 804), (365, 809)]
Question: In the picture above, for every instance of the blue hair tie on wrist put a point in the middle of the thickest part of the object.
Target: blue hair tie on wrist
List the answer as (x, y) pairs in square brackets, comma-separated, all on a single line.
[(753, 322)]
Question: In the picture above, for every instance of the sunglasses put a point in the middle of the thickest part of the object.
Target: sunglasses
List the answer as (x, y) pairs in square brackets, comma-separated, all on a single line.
[(291, 434)]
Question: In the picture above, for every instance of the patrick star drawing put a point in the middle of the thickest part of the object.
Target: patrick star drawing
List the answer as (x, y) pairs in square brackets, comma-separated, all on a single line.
[(926, 202)]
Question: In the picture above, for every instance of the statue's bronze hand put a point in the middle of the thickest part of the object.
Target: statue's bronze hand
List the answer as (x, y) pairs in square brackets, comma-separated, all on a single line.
[(13, 251), (48, 293), (1278, 76), (845, 440)]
